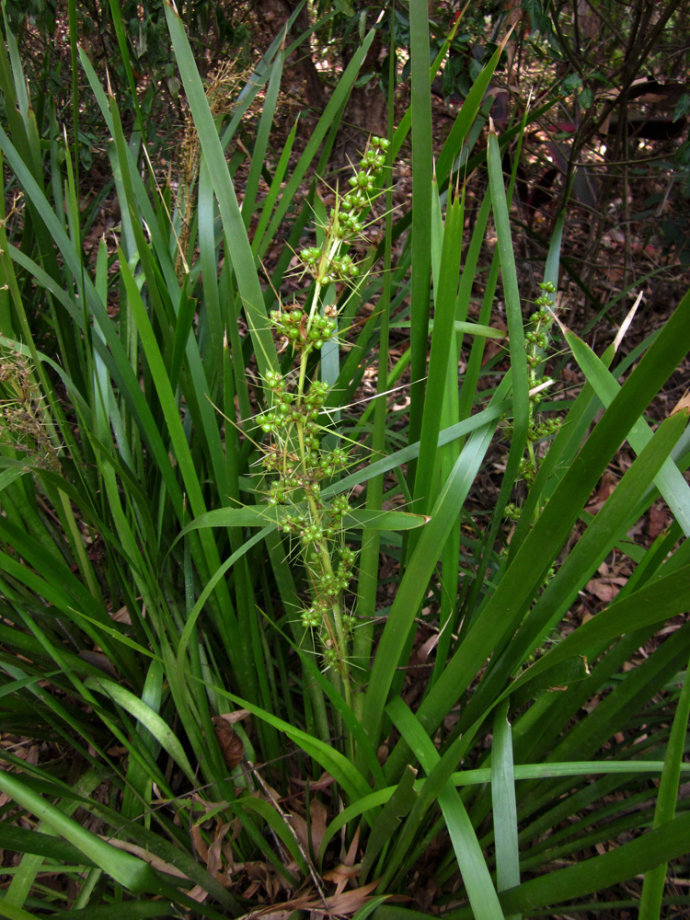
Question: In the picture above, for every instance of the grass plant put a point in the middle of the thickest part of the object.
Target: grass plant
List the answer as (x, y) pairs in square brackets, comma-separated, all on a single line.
[(209, 705)]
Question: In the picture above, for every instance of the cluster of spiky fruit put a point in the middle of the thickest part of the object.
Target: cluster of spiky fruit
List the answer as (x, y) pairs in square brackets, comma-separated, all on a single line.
[(537, 341), (293, 325), (295, 462), (294, 452)]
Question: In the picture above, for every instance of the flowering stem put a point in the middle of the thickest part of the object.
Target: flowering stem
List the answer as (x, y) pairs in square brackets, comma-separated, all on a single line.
[(294, 458)]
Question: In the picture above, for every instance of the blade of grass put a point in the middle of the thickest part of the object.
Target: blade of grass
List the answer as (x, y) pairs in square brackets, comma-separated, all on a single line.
[(146, 717), (612, 521), (238, 248), (127, 870), (328, 121), (475, 874), (341, 769), (262, 137), (504, 804), (653, 885), (14, 913), (513, 305), (386, 825), (444, 315), (368, 568), (656, 602), (467, 114), (669, 480), (601, 872), (416, 577), (139, 787), (30, 865), (420, 244), (517, 587)]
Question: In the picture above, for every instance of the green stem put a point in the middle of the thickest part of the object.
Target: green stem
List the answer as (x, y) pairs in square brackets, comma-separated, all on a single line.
[(326, 259), (337, 629)]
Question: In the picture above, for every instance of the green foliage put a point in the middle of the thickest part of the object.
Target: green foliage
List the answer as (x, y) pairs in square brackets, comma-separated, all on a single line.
[(132, 38), (202, 504)]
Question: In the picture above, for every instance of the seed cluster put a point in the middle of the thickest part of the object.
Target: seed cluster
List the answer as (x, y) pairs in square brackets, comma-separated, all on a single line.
[(23, 425), (292, 325), (295, 461), (537, 341)]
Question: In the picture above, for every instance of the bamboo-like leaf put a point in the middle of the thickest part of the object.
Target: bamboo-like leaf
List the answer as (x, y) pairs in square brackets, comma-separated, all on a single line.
[(467, 114), (521, 580), (601, 872), (475, 873), (14, 913), (139, 787), (667, 796), (332, 761), (504, 805), (397, 458), (265, 515), (445, 292), (130, 910), (414, 582), (422, 154), (127, 870), (663, 598), (262, 137), (384, 829), (327, 122), (25, 873), (669, 480), (516, 337), (610, 524), (146, 717)]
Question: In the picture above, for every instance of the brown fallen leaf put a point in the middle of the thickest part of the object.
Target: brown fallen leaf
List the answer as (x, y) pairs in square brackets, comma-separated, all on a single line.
[(316, 785), (229, 742), (659, 520), (342, 905), (341, 876), (605, 589), (683, 404), (214, 857), (310, 833), (155, 861), (606, 486), (319, 821)]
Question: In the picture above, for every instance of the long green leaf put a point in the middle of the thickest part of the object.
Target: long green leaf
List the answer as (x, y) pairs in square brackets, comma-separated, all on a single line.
[(146, 717), (520, 582), (127, 870), (669, 480), (653, 886), (445, 291), (414, 582), (504, 804), (516, 336), (475, 874), (422, 154), (238, 248), (601, 872)]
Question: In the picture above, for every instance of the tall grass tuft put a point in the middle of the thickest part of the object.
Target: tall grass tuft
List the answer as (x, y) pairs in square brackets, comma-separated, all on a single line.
[(262, 644)]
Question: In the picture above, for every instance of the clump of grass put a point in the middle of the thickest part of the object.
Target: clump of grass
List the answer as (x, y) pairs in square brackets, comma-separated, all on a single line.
[(486, 747)]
